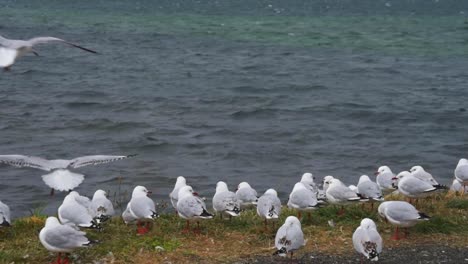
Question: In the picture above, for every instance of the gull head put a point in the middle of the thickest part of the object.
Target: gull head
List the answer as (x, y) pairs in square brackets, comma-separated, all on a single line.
[(221, 187), (381, 210), (181, 181), (243, 185), (292, 220), (99, 193), (140, 191), (52, 221), (368, 223), (272, 192), (185, 191), (383, 169), (462, 162), (416, 169), (307, 177), (326, 182), (363, 178)]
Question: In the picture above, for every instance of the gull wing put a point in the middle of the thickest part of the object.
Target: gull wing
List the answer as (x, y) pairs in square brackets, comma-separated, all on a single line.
[(7, 56), (22, 161), (43, 40), (95, 160)]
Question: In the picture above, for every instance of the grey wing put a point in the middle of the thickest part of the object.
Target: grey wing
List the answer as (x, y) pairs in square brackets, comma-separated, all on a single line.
[(65, 237), (247, 195), (77, 215), (142, 207), (342, 192), (402, 212), (369, 190), (83, 200), (357, 240), (385, 180), (229, 201), (414, 185), (281, 239), (95, 160), (190, 207), (43, 40), (21, 161), (297, 237), (4, 213), (303, 198)]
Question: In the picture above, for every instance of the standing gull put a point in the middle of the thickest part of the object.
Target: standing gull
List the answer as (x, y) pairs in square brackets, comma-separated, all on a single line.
[(142, 208), (269, 205), (60, 238), (302, 199), (420, 173), (60, 178), (461, 173), (72, 212), (289, 237), (401, 214), (338, 193), (414, 187), (225, 201), (369, 189), (100, 206), (4, 215), (190, 206), (367, 240), (11, 49), (174, 195), (385, 179), (246, 195)]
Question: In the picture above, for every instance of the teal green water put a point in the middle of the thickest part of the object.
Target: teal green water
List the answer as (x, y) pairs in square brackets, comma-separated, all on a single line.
[(393, 34)]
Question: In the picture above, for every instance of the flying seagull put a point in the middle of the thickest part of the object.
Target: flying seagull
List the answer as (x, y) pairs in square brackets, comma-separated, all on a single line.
[(12, 49), (60, 178)]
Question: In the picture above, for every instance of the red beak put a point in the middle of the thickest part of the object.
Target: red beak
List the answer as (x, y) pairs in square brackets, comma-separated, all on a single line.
[(149, 192), (394, 178), (195, 193), (376, 173)]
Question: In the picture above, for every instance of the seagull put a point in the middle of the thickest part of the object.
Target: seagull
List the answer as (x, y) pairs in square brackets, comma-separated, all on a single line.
[(60, 238), (100, 206), (461, 173), (269, 205), (11, 50), (60, 178), (246, 195), (73, 212), (190, 206), (181, 182), (401, 214), (308, 180), (369, 189), (384, 179), (289, 237), (413, 187), (367, 240), (224, 201), (142, 208), (302, 199), (420, 173), (4, 215), (338, 193)]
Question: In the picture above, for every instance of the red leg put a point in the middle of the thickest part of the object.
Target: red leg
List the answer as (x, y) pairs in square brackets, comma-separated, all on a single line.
[(59, 259), (405, 232), (141, 228), (187, 228), (341, 211), (309, 216), (66, 260), (299, 215), (395, 235)]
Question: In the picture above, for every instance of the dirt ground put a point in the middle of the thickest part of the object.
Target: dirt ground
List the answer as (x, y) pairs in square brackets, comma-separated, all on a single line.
[(400, 255)]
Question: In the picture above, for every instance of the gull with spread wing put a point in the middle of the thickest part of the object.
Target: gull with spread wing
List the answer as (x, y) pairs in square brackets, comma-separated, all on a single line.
[(12, 49), (60, 178)]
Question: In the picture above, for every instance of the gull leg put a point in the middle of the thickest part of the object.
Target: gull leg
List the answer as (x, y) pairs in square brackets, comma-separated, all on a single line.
[(5, 69), (198, 229), (299, 215), (141, 229), (395, 235), (187, 228), (52, 191), (65, 259), (266, 225), (405, 232), (59, 259), (341, 211)]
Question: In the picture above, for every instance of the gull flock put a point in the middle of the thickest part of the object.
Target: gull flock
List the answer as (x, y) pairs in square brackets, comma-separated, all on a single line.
[(62, 235)]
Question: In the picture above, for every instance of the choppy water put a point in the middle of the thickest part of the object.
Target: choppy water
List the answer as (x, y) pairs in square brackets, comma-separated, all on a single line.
[(257, 91)]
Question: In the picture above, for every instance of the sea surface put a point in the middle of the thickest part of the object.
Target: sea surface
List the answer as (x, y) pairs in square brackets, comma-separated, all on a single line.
[(257, 91)]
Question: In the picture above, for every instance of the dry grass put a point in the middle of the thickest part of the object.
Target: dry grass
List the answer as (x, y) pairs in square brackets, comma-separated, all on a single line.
[(244, 237)]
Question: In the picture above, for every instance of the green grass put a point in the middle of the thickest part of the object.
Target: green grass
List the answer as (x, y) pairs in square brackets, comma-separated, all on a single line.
[(244, 236)]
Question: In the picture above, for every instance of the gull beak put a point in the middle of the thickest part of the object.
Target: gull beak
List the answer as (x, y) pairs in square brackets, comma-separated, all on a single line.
[(394, 178), (376, 173), (195, 193), (149, 192)]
